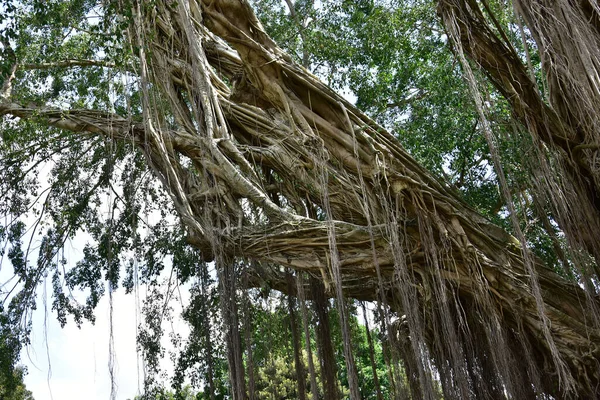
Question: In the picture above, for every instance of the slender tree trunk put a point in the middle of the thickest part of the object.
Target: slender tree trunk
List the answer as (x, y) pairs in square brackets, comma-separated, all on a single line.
[(272, 371), (208, 347), (411, 368), (390, 351), (248, 328), (371, 352), (385, 348), (348, 348), (300, 371), (232, 332), (314, 388), (209, 365), (326, 353)]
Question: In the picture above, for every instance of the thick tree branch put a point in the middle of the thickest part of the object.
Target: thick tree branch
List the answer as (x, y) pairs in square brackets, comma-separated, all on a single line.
[(79, 121), (7, 85), (67, 64)]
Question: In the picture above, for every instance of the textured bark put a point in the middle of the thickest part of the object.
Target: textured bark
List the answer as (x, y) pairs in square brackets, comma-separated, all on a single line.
[(208, 342), (242, 139)]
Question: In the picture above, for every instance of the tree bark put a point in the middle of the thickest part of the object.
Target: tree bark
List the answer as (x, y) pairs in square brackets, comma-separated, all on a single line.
[(248, 329), (208, 347)]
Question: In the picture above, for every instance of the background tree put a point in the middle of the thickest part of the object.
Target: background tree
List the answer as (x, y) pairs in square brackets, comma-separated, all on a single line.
[(12, 387)]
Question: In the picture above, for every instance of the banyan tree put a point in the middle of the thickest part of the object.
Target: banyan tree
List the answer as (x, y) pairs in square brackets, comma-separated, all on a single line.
[(267, 166)]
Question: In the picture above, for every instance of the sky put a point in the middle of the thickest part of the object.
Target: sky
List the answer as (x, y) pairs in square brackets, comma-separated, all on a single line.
[(73, 363)]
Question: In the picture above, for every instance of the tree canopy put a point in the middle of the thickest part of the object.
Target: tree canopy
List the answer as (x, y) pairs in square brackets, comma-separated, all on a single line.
[(459, 195), (12, 386)]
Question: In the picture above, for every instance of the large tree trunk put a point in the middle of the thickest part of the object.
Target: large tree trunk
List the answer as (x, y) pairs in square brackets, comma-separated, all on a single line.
[(248, 164)]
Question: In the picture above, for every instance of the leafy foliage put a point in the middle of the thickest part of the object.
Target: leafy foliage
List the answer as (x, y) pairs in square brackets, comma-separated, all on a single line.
[(12, 386)]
